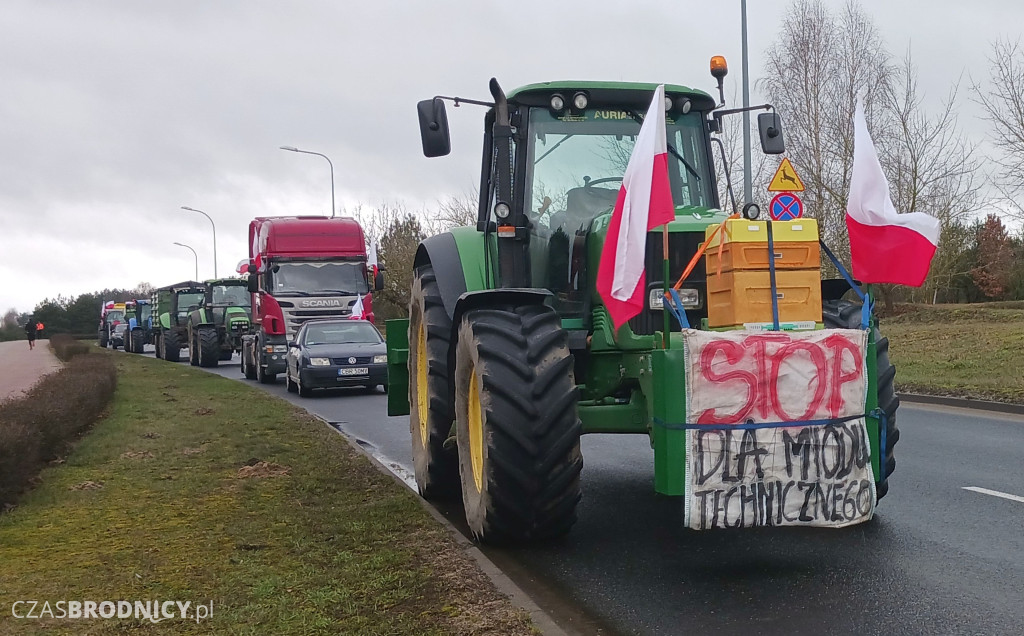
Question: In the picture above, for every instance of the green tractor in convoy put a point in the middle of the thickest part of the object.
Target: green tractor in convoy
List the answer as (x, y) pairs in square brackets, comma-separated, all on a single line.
[(216, 327), (171, 308), (509, 354), (139, 316)]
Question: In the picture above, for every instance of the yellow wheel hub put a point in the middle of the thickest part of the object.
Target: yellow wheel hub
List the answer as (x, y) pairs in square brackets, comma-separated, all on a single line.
[(476, 432), (422, 396)]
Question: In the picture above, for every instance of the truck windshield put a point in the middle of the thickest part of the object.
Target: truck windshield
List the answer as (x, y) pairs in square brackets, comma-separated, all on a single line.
[(576, 164), (334, 277), (231, 296), (115, 314)]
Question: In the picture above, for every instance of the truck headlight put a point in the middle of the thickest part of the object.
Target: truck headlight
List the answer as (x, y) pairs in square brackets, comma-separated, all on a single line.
[(320, 362), (689, 296), (380, 359), (280, 348)]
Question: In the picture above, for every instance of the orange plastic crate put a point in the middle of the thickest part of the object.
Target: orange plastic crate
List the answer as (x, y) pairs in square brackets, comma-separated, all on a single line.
[(741, 296), (788, 255)]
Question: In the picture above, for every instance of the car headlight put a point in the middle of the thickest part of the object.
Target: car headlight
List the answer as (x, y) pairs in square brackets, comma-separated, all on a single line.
[(280, 348), (320, 362), (380, 359), (689, 296)]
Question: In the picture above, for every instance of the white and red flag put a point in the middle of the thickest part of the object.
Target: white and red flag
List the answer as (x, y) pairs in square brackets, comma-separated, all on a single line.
[(644, 203), (885, 246), (358, 311), (371, 259)]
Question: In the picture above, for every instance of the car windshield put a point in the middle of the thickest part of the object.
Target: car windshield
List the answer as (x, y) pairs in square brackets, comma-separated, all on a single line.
[(336, 277), (342, 333), (231, 295), (577, 161)]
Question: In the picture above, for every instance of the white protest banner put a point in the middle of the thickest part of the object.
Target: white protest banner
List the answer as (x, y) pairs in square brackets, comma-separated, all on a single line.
[(812, 473)]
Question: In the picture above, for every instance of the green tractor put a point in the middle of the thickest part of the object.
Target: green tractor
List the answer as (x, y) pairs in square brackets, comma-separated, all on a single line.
[(171, 308), (509, 354), (215, 329)]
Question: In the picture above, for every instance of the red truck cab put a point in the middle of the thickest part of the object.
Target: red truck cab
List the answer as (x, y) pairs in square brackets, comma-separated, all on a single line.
[(301, 268)]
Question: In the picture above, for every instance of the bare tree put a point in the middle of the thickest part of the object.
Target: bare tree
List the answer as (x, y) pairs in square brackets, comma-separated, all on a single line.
[(454, 211), (814, 73), (1003, 103)]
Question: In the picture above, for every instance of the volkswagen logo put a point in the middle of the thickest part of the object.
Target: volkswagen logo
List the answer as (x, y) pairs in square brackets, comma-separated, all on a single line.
[(351, 360)]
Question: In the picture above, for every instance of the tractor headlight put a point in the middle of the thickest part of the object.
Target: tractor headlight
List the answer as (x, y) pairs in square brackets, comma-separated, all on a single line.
[(383, 359), (319, 362), (557, 102), (580, 101), (689, 296)]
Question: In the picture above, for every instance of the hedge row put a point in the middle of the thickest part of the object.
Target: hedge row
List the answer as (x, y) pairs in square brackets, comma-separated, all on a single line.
[(66, 347), (37, 428)]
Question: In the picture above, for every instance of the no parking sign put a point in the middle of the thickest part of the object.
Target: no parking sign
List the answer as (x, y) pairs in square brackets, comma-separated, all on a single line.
[(785, 206)]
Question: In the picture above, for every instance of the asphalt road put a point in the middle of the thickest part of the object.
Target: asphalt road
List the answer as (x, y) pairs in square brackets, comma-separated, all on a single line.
[(937, 559)]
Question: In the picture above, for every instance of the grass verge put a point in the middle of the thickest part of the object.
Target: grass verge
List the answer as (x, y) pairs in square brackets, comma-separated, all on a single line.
[(197, 488), (959, 350)]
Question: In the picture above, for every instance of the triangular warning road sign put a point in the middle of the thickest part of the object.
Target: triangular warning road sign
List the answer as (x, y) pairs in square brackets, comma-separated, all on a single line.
[(786, 179)]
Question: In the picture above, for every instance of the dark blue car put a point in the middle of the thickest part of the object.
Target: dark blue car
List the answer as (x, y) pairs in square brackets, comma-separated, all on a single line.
[(336, 353)]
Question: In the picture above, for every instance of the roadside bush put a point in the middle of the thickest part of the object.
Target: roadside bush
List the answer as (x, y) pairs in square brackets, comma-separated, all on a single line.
[(66, 347), (40, 426)]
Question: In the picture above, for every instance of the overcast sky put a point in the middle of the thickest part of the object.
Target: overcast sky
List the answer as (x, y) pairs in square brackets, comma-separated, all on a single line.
[(114, 114)]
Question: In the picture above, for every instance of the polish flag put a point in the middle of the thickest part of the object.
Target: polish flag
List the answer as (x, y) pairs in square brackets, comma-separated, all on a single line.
[(358, 312), (644, 203), (885, 246), (372, 259)]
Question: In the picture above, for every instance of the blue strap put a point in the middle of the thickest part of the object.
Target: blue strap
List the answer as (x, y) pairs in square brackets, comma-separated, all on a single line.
[(771, 278), (865, 308), (682, 426), (676, 307)]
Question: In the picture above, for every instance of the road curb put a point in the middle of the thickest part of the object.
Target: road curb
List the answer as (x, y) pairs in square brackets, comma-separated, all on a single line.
[(964, 403), (541, 619)]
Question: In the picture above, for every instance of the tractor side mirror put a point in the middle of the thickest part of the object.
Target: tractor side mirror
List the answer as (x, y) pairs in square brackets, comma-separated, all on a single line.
[(378, 281), (253, 284), (769, 126), (434, 127)]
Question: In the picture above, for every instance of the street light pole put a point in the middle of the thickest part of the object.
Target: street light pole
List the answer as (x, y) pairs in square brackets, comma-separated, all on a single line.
[(748, 188), (310, 152), (214, 226), (194, 255)]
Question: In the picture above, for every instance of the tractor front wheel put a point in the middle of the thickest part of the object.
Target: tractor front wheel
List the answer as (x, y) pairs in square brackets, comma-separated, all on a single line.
[(430, 416), (845, 314), (518, 425), (209, 346), (172, 346)]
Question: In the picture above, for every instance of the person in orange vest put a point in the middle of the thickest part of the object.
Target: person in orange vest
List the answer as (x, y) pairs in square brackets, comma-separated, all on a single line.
[(31, 328)]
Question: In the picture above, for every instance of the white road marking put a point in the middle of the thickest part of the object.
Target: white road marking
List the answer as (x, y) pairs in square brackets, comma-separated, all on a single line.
[(994, 493)]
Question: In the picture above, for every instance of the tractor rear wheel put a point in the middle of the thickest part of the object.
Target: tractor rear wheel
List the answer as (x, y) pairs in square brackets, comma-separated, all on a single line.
[(518, 424), (209, 346), (845, 314), (430, 413), (226, 354), (172, 346)]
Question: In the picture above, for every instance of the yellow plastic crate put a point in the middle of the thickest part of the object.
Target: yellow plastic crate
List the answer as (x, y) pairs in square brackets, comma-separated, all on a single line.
[(788, 255), (744, 231), (744, 296)]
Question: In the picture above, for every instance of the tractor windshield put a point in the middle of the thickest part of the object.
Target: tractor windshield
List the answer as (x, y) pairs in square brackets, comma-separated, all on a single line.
[(189, 301), (319, 278), (231, 296), (576, 164)]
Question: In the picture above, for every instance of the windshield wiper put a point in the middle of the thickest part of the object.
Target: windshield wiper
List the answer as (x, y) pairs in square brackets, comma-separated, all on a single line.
[(338, 291), (552, 149), (289, 292), (671, 150)]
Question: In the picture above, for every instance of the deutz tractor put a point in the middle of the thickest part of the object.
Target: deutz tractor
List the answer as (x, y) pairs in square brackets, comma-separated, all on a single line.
[(171, 307), (509, 353), (216, 328)]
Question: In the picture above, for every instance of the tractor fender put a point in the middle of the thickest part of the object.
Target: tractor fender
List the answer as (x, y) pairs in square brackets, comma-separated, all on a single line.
[(459, 261), (442, 253), (835, 288), (165, 321), (198, 318)]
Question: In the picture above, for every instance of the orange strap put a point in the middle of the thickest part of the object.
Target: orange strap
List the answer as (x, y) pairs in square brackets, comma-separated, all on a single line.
[(701, 250)]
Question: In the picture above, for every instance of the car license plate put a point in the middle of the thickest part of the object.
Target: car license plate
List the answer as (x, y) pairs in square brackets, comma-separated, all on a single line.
[(354, 371)]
